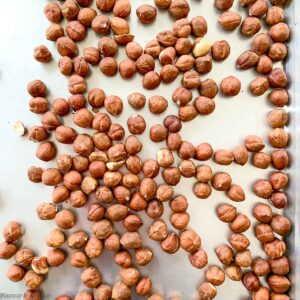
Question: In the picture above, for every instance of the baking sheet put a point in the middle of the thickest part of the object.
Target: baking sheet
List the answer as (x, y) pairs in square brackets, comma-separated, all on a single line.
[(22, 28)]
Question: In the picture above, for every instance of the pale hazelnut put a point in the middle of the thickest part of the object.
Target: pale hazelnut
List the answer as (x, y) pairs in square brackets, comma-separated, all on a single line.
[(40, 265)]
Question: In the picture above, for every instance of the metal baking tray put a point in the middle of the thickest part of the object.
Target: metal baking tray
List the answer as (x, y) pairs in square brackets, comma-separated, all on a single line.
[(22, 28)]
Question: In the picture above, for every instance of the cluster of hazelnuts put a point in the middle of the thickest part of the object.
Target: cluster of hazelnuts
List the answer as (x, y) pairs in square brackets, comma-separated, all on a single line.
[(107, 164)]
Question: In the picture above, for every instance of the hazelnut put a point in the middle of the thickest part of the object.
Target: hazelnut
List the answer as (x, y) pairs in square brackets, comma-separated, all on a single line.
[(263, 189), (279, 284), (174, 141), (70, 10), (65, 65), (12, 231), (167, 38), (251, 281), (35, 174), (243, 259), (202, 190), (15, 273), (132, 222), (151, 80), (133, 50), (113, 105), (119, 26), (32, 295), (281, 225), (24, 257), (60, 106), (95, 213), (112, 242), (179, 9), (187, 168), (191, 79), (93, 247), (254, 143), (143, 256), (122, 9), (183, 46), (37, 88), (279, 32), (77, 85), (264, 233), (77, 240), (83, 295), (225, 254), (234, 272), (220, 50), (223, 4), (54, 32), (38, 105), (77, 101), (239, 241), (190, 241), (279, 200), (278, 118), (101, 25), (171, 175), (81, 67), (136, 124), (261, 160), (170, 244), (65, 219), (236, 193), (91, 277), (262, 213), (280, 159), (107, 47), (187, 113), (51, 177), (165, 158), (158, 231), (279, 180), (226, 212), (275, 249), (261, 294), (199, 259), (55, 257), (33, 280), (207, 291), (230, 86), (221, 181), (86, 16), (146, 13), (151, 168), (279, 97), (261, 43), (129, 276), (52, 12), (240, 224), (7, 250), (180, 220), (105, 5), (278, 138), (261, 267), (182, 28), (155, 209), (131, 240), (223, 157), (230, 20), (108, 66), (215, 275), (121, 291), (264, 65), (250, 26), (117, 212), (158, 133), (123, 258), (199, 26), (42, 54), (102, 292), (46, 211), (143, 287), (134, 164), (278, 51), (280, 266), (258, 9), (66, 47), (278, 78), (40, 265), (55, 238), (65, 134), (247, 60)]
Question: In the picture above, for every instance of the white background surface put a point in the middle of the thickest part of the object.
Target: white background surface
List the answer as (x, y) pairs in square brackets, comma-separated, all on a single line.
[(22, 28)]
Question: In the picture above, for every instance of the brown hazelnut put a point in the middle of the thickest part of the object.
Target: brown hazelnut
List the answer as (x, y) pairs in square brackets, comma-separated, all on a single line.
[(119, 26), (203, 152), (46, 211), (32, 295), (52, 12), (179, 9), (180, 220), (51, 177), (121, 291), (275, 249), (280, 159), (37, 88), (279, 32), (258, 9), (77, 85), (165, 158), (191, 79), (40, 265), (223, 4), (122, 8), (230, 86), (86, 16), (247, 60), (146, 13), (42, 54), (75, 31), (95, 213), (226, 212), (204, 173), (167, 38), (261, 267), (143, 256), (105, 5), (127, 68), (151, 168), (131, 240), (278, 118), (220, 50), (50, 121), (66, 47), (129, 276), (225, 254), (35, 174), (190, 241), (101, 25), (215, 275), (38, 105), (12, 231), (239, 241), (280, 266), (123, 258), (65, 219), (207, 291), (60, 106), (250, 26), (230, 20), (264, 233), (251, 281), (171, 175), (132, 222), (174, 141), (199, 259), (187, 113), (243, 259), (77, 101), (113, 105), (183, 46), (278, 138), (77, 240), (54, 32), (261, 160), (263, 189), (83, 295), (151, 80), (143, 287), (108, 66), (279, 97), (136, 124), (184, 63), (33, 280), (240, 155), (55, 238), (279, 200), (65, 134), (236, 193), (72, 180), (187, 168), (65, 65), (112, 242), (158, 231), (158, 133), (204, 105), (7, 250), (262, 213), (91, 277), (240, 224), (221, 181), (186, 150), (234, 272), (261, 294), (278, 51), (134, 164), (278, 78), (171, 243), (254, 143), (154, 209), (279, 284), (223, 157), (279, 180), (102, 292), (55, 257), (152, 48), (81, 67), (94, 247), (264, 65), (107, 47), (182, 96), (280, 225), (202, 190), (148, 188), (70, 10), (15, 273)]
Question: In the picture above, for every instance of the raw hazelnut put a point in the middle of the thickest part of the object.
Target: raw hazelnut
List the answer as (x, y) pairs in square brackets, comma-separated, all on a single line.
[(77, 101), (221, 181), (72, 180), (207, 291), (143, 256), (261, 160), (91, 277), (190, 241), (7, 250), (167, 38), (280, 159), (94, 247), (279, 32), (250, 26), (86, 16), (236, 193), (215, 275), (121, 291), (95, 213), (12, 231), (158, 133), (225, 254), (261, 43), (202, 190), (170, 244), (165, 158), (261, 267), (171, 175), (199, 259), (146, 13), (226, 212), (230, 86), (263, 189), (51, 177), (179, 9), (251, 281), (279, 97), (60, 106), (37, 88), (132, 222), (55, 238), (40, 265), (223, 157), (182, 28), (131, 240), (278, 118), (187, 113), (136, 100), (129, 276), (105, 5), (247, 60), (281, 225), (65, 134), (113, 105), (223, 4), (66, 47), (158, 231), (203, 152), (123, 258), (117, 212), (230, 20), (35, 174), (186, 150), (151, 168), (154, 209), (55, 257), (108, 66), (76, 31), (119, 26), (205, 106), (53, 12), (38, 105), (180, 220), (261, 294), (151, 80), (278, 51), (81, 67), (50, 121), (243, 259), (239, 241), (77, 85), (65, 219), (102, 292), (187, 168), (112, 242), (234, 272), (183, 46), (46, 211), (152, 48), (122, 8), (101, 25), (278, 138), (254, 143), (182, 96), (279, 284), (77, 240), (264, 233), (191, 80), (42, 54), (240, 224), (83, 295), (258, 9), (280, 266), (136, 124), (15, 273), (127, 68), (78, 198), (65, 65), (262, 213), (70, 10), (264, 65), (143, 287), (278, 78), (220, 50), (134, 164), (32, 295), (174, 141), (274, 16), (33, 280), (279, 180), (275, 249), (279, 200)]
